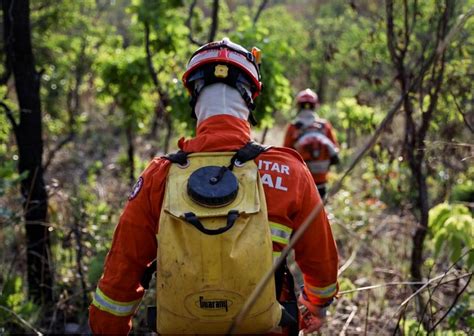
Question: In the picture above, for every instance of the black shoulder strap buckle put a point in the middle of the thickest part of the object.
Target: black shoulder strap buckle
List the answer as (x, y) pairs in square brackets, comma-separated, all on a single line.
[(299, 125), (180, 157), (249, 152)]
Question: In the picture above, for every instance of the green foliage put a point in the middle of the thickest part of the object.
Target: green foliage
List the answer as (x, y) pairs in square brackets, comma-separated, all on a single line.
[(169, 48), (166, 20), (452, 230), (9, 177), (125, 78), (14, 299), (96, 267), (356, 119), (276, 93), (66, 40), (97, 212), (463, 192), (394, 177), (459, 312), (413, 327), (96, 82), (345, 284)]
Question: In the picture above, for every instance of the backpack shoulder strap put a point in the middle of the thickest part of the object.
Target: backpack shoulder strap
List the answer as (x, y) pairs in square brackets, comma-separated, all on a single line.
[(249, 152), (317, 126), (180, 157)]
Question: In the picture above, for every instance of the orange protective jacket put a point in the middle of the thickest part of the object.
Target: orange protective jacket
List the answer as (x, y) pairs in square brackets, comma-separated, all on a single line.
[(290, 196), (319, 168)]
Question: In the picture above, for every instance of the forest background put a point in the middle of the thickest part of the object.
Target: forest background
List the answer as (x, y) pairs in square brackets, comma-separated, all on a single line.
[(91, 90)]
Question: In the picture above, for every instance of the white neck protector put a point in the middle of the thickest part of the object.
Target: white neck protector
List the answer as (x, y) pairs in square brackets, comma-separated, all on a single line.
[(306, 117), (220, 99)]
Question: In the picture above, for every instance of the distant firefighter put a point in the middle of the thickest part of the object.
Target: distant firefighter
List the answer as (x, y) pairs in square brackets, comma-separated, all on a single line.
[(314, 138)]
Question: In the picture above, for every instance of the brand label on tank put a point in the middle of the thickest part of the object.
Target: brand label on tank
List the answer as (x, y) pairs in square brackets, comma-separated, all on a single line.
[(213, 305)]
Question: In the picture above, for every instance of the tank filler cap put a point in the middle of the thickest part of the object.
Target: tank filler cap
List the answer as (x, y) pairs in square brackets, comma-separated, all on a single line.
[(213, 186)]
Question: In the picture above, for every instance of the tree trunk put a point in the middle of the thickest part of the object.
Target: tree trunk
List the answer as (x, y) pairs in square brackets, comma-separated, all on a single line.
[(169, 133), (421, 230), (16, 18)]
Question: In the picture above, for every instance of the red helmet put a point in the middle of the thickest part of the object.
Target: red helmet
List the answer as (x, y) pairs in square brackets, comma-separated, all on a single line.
[(307, 96), (224, 53), (225, 62)]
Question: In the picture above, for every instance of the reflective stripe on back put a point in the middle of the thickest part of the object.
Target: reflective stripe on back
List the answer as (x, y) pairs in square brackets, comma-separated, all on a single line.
[(318, 166), (312, 135)]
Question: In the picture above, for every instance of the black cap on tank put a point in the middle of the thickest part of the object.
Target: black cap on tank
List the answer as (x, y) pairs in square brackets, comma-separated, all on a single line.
[(213, 186)]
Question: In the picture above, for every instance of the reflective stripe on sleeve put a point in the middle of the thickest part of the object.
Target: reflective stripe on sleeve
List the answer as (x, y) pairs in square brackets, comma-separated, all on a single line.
[(117, 308), (323, 292), (280, 233)]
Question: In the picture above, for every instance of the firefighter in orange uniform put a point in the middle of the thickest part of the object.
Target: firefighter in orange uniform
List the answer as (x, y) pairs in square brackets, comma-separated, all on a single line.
[(313, 138), (223, 79)]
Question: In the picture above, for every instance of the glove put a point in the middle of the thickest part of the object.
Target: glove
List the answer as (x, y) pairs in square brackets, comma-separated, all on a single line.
[(312, 316)]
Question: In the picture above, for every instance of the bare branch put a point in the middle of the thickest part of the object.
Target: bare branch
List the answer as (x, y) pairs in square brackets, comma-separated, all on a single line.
[(348, 321), (437, 76), (423, 64), (215, 21), (151, 67), (440, 278), (414, 15), (154, 75), (160, 111), (457, 27), (444, 43), (77, 229), (391, 39), (367, 309), (189, 24), (56, 149), (434, 95), (260, 9), (22, 321), (406, 283), (464, 117), (73, 105), (266, 129), (458, 295), (406, 27)]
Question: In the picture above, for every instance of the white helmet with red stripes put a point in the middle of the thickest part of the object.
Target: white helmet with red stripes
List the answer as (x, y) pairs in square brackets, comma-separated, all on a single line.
[(307, 97)]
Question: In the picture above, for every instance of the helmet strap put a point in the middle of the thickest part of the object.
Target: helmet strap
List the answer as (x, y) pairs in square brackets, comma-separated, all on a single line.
[(248, 100)]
